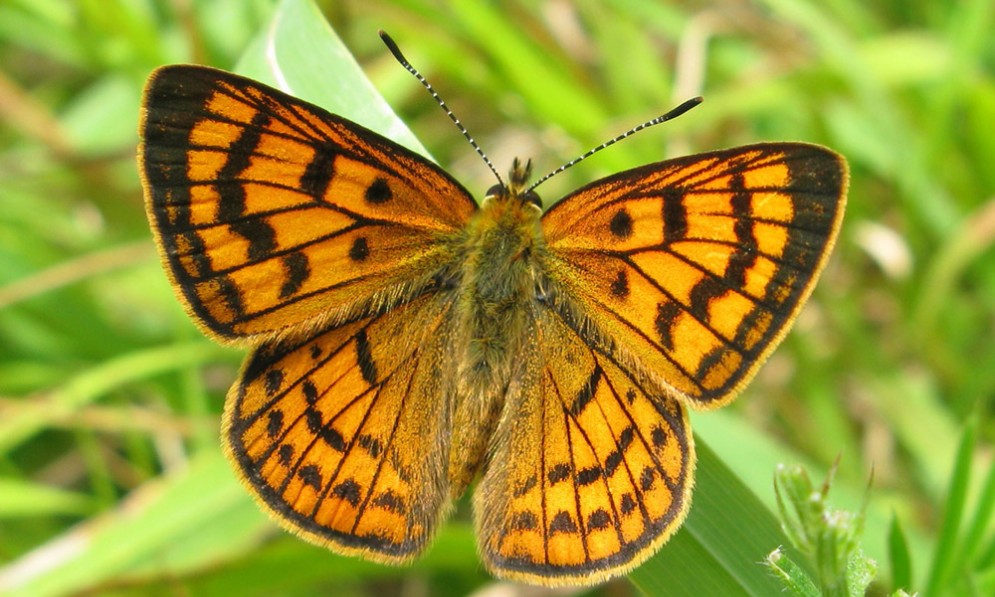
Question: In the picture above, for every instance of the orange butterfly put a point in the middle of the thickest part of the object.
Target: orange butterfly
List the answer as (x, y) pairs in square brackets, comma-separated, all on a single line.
[(407, 340)]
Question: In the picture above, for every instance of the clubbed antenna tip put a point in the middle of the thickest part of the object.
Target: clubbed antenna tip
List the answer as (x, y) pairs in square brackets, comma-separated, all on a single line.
[(396, 51), (670, 115)]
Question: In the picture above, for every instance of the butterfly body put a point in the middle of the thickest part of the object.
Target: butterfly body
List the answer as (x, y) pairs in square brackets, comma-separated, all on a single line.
[(500, 268), (407, 341)]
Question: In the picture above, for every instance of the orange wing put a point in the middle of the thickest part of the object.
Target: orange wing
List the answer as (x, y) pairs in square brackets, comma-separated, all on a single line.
[(273, 215), (694, 268), (344, 436), (590, 471)]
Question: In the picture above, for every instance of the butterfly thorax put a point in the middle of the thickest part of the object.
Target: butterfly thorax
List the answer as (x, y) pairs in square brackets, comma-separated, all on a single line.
[(504, 244)]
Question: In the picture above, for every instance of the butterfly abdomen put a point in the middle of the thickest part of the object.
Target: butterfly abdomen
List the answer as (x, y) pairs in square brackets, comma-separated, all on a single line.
[(502, 249)]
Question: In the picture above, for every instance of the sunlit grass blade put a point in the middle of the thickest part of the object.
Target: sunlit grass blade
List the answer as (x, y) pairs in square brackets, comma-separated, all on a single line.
[(186, 519), (299, 53), (898, 556), (722, 546), (945, 554), (61, 402)]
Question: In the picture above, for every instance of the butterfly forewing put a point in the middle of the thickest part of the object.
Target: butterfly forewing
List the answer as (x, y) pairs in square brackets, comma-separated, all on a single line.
[(695, 267), (272, 214)]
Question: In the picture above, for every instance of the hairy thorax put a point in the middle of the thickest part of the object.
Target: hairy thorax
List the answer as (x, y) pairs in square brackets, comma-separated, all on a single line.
[(497, 293)]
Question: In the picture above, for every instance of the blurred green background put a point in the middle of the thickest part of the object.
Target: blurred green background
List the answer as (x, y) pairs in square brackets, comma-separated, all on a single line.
[(111, 480)]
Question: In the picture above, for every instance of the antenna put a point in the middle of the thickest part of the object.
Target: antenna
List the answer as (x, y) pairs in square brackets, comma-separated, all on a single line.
[(404, 62), (684, 107)]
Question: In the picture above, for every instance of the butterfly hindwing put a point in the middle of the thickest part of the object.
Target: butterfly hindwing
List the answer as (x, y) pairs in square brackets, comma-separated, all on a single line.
[(343, 435), (695, 267), (272, 214), (589, 472)]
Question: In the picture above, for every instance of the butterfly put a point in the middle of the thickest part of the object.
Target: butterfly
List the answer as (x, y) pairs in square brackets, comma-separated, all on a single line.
[(408, 342)]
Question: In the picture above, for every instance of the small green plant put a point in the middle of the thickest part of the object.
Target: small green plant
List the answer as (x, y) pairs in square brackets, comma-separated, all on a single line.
[(830, 538)]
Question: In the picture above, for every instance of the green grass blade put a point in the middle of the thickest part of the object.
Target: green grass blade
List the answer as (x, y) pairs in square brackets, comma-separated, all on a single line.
[(899, 557), (944, 558), (980, 523), (20, 498), (97, 381), (722, 547), (302, 55), (167, 524)]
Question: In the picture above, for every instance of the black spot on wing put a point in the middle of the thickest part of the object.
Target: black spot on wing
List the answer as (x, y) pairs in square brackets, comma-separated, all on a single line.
[(702, 294), (588, 475), (231, 295), (666, 316), (658, 437), (296, 271), (313, 420), (620, 286), (378, 192), (333, 438), (261, 237), (675, 220), (523, 488), (238, 158), (371, 444), (628, 504), (745, 255), (586, 392), (621, 224), (348, 490), (647, 478), (310, 392), (319, 171), (360, 249), (274, 423), (389, 500), (599, 519), (274, 379), (367, 367), (562, 523), (612, 461), (524, 521), (285, 454), (558, 473), (615, 458), (311, 476)]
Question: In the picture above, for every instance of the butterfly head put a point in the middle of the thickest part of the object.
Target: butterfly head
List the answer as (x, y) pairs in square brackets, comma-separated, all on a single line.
[(516, 189)]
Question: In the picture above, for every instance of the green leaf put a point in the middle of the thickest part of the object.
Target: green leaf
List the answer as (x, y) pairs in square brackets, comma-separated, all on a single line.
[(791, 575), (898, 555), (168, 524), (300, 54), (944, 558), (20, 498), (721, 549), (92, 384)]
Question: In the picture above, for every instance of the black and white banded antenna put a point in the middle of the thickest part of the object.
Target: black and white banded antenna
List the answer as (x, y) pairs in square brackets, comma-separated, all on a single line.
[(674, 113), (404, 62)]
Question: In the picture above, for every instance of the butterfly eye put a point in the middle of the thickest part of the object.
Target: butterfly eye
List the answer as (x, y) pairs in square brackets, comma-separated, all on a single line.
[(533, 198), (495, 191)]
